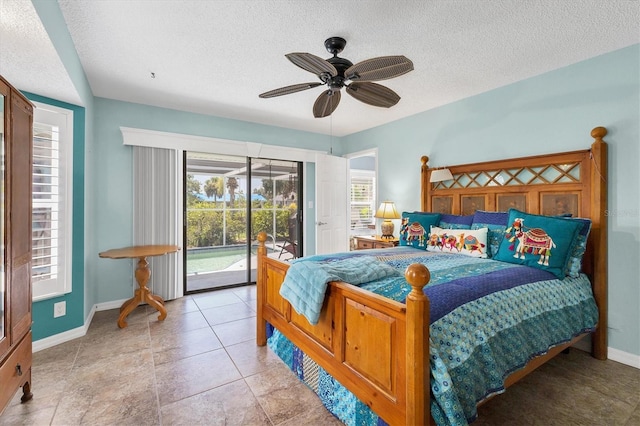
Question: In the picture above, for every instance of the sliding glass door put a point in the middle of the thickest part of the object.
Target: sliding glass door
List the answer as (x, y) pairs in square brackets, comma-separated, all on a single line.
[(228, 200)]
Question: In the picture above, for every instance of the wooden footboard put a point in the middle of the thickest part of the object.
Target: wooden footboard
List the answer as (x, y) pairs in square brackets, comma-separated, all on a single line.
[(374, 346)]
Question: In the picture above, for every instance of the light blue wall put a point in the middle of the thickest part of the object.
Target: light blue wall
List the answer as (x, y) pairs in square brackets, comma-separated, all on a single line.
[(550, 113), (113, 175)]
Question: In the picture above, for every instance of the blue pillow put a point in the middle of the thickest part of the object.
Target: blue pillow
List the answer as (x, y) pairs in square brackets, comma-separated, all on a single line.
[(543, 242), (496, 223), (492, 218), (414, 229), (574, 264), (455, 221)]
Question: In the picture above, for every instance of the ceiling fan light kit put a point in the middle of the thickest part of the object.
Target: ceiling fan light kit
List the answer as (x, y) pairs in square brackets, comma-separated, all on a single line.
[(335, 72)]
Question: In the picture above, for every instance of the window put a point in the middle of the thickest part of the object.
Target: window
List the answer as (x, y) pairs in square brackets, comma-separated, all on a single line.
[(52, 200), (363, 197)]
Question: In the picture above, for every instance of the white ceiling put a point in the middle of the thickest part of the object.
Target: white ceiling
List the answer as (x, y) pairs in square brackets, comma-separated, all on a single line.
[(215, 57)]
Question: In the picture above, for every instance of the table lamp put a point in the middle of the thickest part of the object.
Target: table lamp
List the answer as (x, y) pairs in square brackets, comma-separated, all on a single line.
[(387, 211)]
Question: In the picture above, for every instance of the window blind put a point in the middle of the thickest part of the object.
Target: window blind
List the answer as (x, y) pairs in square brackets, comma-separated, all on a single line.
[(362, 200), (48, 203)]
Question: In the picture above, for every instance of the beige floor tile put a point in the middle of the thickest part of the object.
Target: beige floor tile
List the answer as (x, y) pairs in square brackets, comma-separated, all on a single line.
[(181, 305), (186, 377), (234, 332), (37, 411), (227, 405), (281, 394), (179, 322), (228, 313), (313, 417), (171, 346), (215, 298), (246, 293), (123, 401), (634, 420), (250, 358)]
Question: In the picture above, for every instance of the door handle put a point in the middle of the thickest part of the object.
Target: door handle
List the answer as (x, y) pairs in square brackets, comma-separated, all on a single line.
[(321, 223)]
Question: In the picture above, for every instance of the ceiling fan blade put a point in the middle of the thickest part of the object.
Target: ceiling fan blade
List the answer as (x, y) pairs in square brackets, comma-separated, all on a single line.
[(381, 68), (326, 103), (289, 89), (312, 63), (373, 94)]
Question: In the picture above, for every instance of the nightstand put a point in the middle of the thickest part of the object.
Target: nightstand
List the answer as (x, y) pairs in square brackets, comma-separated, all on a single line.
[(367, 242)]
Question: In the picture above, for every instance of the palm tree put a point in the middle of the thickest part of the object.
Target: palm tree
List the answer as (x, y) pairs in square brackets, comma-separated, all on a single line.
[(232, 185), (193, 189), (213, 188)]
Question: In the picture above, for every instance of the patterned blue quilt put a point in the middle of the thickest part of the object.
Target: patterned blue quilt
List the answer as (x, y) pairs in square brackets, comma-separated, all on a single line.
[(488, 319)]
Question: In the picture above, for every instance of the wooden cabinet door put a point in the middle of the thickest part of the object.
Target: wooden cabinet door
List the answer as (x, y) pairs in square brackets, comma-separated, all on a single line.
[(19, 166)]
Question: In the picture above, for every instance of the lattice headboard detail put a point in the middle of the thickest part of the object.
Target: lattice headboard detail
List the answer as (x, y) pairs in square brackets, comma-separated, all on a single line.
[(554, 184)]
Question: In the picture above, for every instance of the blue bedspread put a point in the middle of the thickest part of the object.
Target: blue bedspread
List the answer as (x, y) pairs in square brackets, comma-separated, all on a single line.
[(488, 319)]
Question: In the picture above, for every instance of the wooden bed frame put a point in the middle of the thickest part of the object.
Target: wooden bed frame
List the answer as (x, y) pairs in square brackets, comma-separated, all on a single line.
[(378, 348)]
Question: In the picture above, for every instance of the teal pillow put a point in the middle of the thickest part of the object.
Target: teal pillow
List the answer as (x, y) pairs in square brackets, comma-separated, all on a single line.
[(414, 229), (543, 242)]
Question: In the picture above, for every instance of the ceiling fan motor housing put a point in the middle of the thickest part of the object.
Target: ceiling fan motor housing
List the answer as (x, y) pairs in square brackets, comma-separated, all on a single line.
[(341, 65)]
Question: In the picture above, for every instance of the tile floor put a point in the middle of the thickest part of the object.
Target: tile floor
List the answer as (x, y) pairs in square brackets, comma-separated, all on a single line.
[(201, 367)]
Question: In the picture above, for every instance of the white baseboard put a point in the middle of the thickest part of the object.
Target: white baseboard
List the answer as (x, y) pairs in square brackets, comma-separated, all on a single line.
[(69, 335), (109, 305), (65, 336), (624, 357)]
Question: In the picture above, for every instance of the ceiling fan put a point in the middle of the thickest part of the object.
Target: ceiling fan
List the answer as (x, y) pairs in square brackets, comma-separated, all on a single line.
[(335, 72)]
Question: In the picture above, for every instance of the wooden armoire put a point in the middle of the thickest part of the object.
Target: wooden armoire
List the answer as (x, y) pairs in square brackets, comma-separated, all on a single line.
[(16, 131)]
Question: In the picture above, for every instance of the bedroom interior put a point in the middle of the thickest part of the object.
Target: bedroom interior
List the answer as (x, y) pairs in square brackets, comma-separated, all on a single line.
[(583, 71)]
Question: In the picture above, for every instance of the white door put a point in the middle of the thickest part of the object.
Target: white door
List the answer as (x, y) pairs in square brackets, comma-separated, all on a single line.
[(332, 231)]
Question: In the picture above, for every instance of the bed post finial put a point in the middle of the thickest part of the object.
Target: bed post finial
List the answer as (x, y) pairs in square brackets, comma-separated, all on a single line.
[(418, 276), (598, 133), (424, 184), (418, 405), (261, 324)]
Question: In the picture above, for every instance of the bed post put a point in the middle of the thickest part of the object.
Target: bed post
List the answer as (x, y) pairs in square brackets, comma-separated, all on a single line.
[(425, 200), (599, 238), (418, 383), (261, 324)]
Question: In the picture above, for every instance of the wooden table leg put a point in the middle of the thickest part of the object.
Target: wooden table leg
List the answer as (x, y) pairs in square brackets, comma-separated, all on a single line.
[(142, 295)]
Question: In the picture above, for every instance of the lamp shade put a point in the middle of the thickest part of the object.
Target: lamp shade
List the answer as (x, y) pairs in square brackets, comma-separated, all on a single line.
[(439, 175), (387, 210)]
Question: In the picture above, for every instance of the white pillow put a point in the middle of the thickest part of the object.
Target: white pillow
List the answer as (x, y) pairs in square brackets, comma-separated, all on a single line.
[(470, 242)]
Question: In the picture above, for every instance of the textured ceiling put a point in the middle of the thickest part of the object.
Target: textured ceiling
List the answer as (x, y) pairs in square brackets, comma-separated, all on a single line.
[(215, 57)]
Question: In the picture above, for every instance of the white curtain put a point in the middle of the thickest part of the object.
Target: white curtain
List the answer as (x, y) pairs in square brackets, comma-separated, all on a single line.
[(157, 214)]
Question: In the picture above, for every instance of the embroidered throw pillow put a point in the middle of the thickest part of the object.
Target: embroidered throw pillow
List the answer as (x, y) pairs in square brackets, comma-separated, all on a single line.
[(543, 242), (464, 241), (414, 228)]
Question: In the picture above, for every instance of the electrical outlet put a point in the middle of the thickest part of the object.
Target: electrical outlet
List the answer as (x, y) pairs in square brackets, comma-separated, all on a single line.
[(59, 309)]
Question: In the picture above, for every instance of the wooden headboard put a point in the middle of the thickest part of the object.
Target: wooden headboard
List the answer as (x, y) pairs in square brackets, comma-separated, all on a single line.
[(553, 184)]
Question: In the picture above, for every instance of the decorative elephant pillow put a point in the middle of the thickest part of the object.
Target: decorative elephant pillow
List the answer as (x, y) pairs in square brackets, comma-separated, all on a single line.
[(470, 242), (543, 242)]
